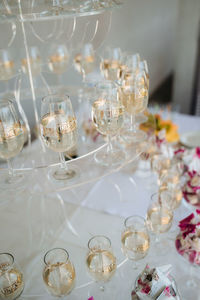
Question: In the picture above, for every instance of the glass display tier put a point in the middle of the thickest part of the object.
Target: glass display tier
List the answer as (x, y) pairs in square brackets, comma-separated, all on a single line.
[(25, 11)]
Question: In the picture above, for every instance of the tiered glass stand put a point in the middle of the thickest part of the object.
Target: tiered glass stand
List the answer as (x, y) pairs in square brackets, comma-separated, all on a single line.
[(41, 214)]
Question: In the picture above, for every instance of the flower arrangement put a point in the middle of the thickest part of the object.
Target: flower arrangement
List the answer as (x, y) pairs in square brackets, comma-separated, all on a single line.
[(191, 189), (155, 124), (188, 241)]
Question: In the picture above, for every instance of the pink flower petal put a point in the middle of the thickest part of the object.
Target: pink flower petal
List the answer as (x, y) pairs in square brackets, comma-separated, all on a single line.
[(187, 219), (198, 152)]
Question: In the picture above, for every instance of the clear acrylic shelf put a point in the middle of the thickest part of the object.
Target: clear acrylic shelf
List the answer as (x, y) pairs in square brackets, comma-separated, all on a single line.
[(31, 11)]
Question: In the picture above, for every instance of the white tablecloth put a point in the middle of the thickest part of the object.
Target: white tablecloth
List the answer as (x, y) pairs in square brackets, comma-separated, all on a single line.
[(32, 222)]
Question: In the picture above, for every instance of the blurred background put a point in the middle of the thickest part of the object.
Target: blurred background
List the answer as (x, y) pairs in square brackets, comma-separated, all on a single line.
[(165, 33)]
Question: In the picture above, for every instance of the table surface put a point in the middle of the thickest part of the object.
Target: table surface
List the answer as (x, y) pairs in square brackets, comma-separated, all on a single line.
[(32, 222)]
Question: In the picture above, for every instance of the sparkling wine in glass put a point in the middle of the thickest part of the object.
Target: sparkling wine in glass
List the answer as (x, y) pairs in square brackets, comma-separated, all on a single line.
[(135, 238), (108, 118), (159, 219), (34, 60), (58, 128), (58, 59), (111, 64), (160, 164), (59, 273), (7, 65), (85, 61), (100, 260), (134, 96), (11, 137), (11, 278), (171, 182)]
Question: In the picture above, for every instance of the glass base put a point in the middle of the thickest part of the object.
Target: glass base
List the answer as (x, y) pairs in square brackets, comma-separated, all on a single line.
[(114, 158), (12, 181), (63, 175), (135, 136)]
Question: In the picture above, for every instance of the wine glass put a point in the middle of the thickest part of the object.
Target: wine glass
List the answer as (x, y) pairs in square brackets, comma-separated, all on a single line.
[(11, 138), (159, 217), (7, 65), (160, 164), (59, 273), (35, 62), (58, 128), (134, 95), (141, 118), (135, 239), (170, 181), (108, 118), (100, 260), (85, 61), (111, 64), (58, 59), (11, 278)]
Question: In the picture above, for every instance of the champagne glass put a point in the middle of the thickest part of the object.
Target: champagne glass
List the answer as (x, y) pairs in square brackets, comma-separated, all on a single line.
[(141, 118), (11, 138), (11, 278), (160, 164), (7, 65), (144, 67), (58, 59), (135, 239), (111, 64), (159, 218), (35, 62), (85, 62), (134, 95), (100, 260), (108, 118), (59, 131), (59, 273), (171, 182)]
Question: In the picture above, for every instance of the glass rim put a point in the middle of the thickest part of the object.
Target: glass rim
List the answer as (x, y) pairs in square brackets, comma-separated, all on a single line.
[(8, 254), (98, 236), (133, 216), (53, 249), (62, 96)]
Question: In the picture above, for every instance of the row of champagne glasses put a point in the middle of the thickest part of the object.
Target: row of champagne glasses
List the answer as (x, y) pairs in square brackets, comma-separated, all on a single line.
[(56, 58), (59, 273), (58, 126)]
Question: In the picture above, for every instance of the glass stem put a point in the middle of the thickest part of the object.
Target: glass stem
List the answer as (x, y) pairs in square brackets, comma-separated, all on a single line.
[(10, 168), (157, 239), (135, 265), (109, 147), (133, 128), (62, 160)]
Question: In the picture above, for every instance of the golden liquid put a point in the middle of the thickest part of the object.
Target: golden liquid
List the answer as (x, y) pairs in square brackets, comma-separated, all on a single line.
[(159, 219), (7, 70), (58, 63), (111, 69), (133, 103), (59, 278), (135, 244), (101, 265), (12, 284), (160, 166), (84, 64), (59, 132), (107, 116), (11, 140)]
